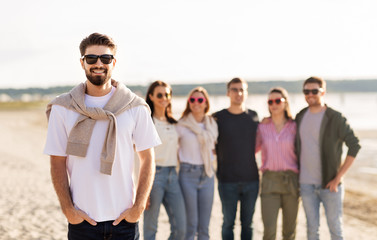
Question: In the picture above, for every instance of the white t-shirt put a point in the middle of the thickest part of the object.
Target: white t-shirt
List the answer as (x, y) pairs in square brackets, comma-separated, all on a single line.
[(103, 197), (166, 154)]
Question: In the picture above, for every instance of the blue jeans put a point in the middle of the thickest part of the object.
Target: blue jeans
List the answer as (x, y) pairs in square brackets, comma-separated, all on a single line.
[(103, 230), (230, 194), (166, 190), (312, 195), (198, 190)]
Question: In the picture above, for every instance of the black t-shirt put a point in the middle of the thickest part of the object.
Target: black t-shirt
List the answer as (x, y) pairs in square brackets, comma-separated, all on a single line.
[(235, 147)]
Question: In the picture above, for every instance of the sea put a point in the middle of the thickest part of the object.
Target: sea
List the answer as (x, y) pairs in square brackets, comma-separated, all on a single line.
[(360, 109)]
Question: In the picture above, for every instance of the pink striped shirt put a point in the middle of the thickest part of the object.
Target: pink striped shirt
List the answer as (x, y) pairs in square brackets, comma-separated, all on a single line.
[(278, 149)]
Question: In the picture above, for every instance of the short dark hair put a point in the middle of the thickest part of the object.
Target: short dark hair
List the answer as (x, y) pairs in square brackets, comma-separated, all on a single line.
[(97, 39), (318, 80), (236, 80)]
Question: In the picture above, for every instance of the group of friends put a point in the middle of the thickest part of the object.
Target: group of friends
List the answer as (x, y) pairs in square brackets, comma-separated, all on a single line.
[(95, 129)]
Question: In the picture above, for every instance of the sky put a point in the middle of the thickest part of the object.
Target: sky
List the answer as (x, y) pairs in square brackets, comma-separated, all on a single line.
[(191, 41)]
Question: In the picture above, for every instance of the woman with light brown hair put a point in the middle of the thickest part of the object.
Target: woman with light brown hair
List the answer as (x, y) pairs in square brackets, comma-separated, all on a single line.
[(197, 132)]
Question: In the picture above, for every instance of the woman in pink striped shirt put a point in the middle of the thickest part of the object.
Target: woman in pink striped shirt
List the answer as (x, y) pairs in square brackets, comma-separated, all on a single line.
[(275, 138)]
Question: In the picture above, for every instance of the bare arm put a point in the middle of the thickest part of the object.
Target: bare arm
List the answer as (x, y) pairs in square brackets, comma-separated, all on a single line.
[(333, 184), (144, 186), (60, 181)]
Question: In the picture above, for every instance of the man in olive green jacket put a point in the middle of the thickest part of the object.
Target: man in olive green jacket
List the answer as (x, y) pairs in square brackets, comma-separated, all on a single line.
[(321, 132)]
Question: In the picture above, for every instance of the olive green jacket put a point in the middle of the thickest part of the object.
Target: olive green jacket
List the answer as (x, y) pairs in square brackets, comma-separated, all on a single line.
[(333, 132)]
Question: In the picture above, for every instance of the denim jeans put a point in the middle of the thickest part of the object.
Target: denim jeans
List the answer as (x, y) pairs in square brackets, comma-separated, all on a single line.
[(230, 194), (198, 190), (312, 195), (103, 231), (166, 190)]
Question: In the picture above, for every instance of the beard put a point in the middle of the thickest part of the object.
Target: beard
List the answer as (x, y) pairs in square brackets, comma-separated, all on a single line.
[(97, 80), (313, 102)]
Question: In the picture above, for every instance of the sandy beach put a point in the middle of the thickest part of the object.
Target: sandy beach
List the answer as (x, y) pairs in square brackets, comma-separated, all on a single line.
[(29, 208)]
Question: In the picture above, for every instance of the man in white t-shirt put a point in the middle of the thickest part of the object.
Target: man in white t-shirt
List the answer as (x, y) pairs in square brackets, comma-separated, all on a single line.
[(92, 133)]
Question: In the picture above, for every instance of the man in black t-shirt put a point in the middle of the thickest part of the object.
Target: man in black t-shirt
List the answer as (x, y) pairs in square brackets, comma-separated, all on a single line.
[(237, 171)]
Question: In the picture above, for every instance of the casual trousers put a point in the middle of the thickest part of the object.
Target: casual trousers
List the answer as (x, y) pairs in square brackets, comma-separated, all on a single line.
[(166, 190), (279, 190), (312, 195), (198, 191), (103, 231), (230, 194)]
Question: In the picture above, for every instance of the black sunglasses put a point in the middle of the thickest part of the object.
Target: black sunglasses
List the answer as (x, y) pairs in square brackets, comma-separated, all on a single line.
[(160, 95), (199, 99), (92, 59), (277, 101), (313, 91)]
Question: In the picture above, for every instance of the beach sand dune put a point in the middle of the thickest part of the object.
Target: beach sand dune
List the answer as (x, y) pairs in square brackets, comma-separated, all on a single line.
[(29, 208)]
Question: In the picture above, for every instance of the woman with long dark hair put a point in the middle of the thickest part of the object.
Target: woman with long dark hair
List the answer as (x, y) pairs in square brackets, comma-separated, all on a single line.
[(280, 189), (197, 132), (166, 189)]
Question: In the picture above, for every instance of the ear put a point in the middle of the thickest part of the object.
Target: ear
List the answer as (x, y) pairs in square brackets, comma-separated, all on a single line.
[(227, 93), (82, 63), (114, 61)]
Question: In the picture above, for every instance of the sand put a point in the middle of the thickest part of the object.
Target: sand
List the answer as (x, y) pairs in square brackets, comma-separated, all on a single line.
[(29, 208)]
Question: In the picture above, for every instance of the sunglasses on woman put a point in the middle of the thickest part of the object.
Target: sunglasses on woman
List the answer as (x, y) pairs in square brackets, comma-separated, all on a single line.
[(92, 59), (276, 100), (200, 100), (160, 95)]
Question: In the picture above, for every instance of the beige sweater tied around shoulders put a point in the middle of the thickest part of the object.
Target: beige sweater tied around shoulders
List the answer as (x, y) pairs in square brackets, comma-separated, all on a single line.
[(80, 135), (207, 138)]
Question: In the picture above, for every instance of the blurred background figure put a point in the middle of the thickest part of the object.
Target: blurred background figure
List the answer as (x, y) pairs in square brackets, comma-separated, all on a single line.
[(197, 135), (279, 188), (166, 189), (319, 142), (237, 170)]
